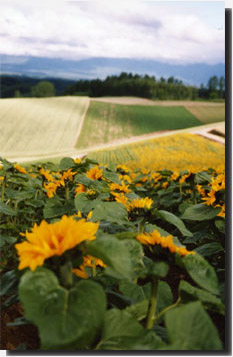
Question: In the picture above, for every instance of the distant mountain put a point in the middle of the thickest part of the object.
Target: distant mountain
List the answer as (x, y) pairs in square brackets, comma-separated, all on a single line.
[(193, 74)]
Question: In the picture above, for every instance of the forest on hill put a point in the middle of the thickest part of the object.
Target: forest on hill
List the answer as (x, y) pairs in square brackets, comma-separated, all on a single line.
[(125, 84)]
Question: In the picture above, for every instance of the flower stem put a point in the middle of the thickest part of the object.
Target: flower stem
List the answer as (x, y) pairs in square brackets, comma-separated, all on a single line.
[(141, 226), (152, 304), (66, 274), (157, 317), (3, 191), (67, 194)]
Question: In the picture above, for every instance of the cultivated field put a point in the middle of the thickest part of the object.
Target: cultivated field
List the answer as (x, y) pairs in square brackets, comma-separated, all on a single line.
[(36, 125), (173, 152), (208, 114), (107, 122), (38, 129)]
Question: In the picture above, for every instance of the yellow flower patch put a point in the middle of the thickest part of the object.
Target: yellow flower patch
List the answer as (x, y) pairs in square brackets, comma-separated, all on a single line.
[(47, 240)]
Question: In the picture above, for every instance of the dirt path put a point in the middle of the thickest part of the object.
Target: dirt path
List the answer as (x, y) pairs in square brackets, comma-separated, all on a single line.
[(144, 101), (202, 130), (81, 124)]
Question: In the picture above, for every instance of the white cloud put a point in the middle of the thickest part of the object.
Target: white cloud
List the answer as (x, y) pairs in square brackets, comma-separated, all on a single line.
[(83, 29)]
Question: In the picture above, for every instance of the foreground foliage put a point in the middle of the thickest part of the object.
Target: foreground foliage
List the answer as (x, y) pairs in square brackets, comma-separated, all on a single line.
[(106, 258)]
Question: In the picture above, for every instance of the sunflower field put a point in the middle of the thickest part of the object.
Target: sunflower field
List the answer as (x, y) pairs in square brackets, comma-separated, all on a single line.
[(104, 257)]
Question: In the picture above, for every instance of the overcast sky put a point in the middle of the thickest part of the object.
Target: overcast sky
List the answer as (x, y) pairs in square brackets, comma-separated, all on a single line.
[(174, 32)]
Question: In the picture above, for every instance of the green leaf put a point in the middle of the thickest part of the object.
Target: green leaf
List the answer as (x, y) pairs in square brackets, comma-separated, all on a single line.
[(123, 332), (151, 227), (174, 220), (6, 240), (84, 180), (9, 283), (66, 163), (113, 212), (208, 249), (81, 201), (5, 209), (220, 224), (189, 293), (136, 256), (138, 310), (164, 295), (99, 186), (132, 290), (190, 328), (126, 235), (201, 272), (114, 254), (200, 212), (55, 208), (66, 319), (111, 176), (158, 269), (202, 177)]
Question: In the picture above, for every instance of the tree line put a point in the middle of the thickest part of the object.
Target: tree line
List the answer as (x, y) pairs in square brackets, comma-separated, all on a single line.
[(125, 84), (128, 84)]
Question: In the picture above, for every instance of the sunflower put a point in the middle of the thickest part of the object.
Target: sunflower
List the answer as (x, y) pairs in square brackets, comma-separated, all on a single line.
[(165, 242), (141, 203), (94, 173), (47, 240)]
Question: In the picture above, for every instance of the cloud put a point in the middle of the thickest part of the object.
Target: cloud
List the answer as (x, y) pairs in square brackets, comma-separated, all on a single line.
[(84, 29)]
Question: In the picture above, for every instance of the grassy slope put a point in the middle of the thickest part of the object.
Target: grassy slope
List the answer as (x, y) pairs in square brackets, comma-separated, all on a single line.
[(208, 114), (31, 125), (106, 122), (175, 152)]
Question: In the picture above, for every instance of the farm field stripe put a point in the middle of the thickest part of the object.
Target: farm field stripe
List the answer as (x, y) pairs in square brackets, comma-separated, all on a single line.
[(107, 123), (207, 114), (81, 124), (39, 124), (21, 157), (149, 102)]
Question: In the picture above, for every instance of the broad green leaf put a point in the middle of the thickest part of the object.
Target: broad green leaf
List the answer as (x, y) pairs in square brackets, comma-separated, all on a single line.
[(55, 208), (84, 180), (114, 253), (66, 163), (220, 224), (111, 176), (208, 249), (132, 290), (123, 332), (190, 328), (174, 220), (164, 295), (81, 201), (99, 186), (9, 282), (201, 272), (202, 177), (136, 256), (66, 319), (5, 209), (189, 293), (126, 235), (113, 212), (158, 269), (200, 212), (6, 240), (139, 310), (151, 227)]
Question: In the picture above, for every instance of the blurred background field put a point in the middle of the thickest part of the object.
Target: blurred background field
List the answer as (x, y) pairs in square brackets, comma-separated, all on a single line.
[(174, 152), (39, 128)]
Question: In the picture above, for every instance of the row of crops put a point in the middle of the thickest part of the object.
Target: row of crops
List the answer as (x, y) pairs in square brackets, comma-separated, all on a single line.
[(106, 257), (176, 152)]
